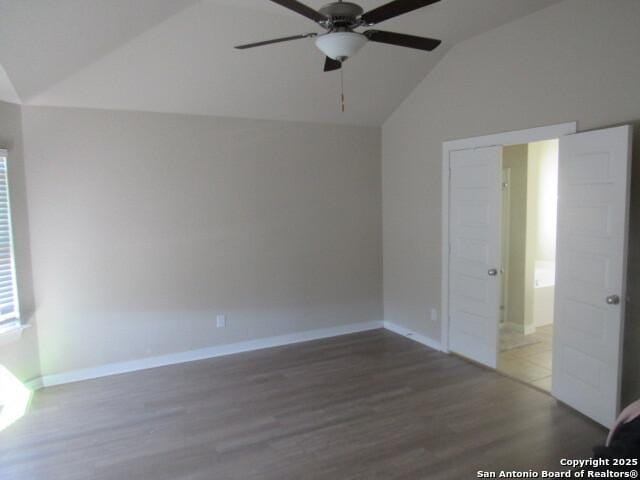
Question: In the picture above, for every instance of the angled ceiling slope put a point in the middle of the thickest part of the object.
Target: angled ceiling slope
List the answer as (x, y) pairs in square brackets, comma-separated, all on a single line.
[(7, 91), (43, 42), (177, 56)]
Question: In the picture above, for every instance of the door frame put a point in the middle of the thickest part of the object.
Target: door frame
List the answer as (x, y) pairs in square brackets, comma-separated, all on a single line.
[(506, 244), (516, 137)]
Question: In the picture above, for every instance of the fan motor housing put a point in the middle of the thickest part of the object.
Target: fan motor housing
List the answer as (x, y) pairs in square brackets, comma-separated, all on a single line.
[(342, 14)]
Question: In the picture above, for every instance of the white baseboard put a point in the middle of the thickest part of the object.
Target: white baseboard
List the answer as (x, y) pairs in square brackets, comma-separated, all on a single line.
[(35, 384), (201, 354), (548, 321), (223, 350), (405, 332), (520, 328)]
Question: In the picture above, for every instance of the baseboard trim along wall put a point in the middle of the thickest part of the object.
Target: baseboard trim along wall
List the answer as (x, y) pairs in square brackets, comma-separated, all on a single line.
[(223, 350), (519, 328), (405, 332), (205, 353), (35, 384)]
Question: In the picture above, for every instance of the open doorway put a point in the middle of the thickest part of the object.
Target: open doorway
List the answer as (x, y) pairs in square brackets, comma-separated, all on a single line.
[(528, 257), (588, 276)]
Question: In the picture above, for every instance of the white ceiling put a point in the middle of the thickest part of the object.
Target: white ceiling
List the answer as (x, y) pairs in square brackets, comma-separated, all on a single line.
[(178, 56)]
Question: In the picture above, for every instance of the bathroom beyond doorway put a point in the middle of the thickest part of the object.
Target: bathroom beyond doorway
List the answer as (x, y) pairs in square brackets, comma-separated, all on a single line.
[(529, 218)]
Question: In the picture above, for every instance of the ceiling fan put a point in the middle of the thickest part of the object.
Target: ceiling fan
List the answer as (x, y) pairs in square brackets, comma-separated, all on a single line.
[(340, 19)]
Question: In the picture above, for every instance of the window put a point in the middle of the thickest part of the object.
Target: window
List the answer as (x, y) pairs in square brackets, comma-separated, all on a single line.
[(9, 311)]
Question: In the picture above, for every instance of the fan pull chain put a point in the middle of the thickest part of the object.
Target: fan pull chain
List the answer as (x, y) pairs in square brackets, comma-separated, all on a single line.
[(342, 88)]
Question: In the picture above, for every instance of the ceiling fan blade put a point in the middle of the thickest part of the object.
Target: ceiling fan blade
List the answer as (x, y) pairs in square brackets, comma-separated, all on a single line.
[(402, 40), (330, 65), (393, 9), (301, 9), (275, 40)]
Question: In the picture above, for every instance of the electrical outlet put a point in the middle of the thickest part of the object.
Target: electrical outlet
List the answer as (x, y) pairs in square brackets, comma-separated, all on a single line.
[(221, 321), (434, 315)]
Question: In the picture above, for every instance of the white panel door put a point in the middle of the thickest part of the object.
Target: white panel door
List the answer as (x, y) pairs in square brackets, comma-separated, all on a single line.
[(474, 253), (593, 191)]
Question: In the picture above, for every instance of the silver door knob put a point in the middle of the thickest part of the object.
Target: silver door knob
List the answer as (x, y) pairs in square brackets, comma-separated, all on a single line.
[(492, 272), (613, 300)]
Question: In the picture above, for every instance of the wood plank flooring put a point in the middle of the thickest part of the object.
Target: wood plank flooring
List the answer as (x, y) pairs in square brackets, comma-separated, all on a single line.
[(372, 405)]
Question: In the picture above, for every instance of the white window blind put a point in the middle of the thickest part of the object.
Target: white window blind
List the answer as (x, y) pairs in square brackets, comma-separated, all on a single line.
[(8, 289)]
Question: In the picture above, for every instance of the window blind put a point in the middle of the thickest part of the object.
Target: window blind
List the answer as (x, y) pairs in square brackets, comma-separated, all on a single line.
[(8, 289)]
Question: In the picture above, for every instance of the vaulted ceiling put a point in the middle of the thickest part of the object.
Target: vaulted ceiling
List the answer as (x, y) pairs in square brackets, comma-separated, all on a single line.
[(178, 56)]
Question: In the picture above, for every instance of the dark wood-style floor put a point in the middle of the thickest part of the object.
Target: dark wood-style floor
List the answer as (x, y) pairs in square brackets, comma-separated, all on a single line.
[(371, 405)]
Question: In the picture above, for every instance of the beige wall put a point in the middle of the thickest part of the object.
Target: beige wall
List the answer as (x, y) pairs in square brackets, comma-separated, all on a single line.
[(145, 226), (20, 357), (542, 216), (532, 245), (543, 162), (553, 66), (515, 158)]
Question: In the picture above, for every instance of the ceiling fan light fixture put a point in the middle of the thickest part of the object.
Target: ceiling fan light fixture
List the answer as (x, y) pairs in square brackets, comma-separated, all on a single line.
[(340, 45)]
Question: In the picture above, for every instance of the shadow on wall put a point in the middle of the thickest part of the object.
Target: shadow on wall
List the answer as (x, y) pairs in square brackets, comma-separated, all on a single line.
[(631, 364)]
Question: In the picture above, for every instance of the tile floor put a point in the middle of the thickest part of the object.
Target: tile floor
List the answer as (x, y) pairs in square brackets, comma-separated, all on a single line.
[(531, 363)]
